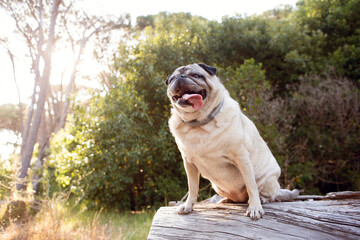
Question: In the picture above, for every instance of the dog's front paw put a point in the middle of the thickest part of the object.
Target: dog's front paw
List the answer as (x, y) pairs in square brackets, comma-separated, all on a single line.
[(185, 208), (255, 212)]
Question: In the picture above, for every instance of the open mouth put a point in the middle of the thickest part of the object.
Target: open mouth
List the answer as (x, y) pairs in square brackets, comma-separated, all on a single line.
[(190, 98)]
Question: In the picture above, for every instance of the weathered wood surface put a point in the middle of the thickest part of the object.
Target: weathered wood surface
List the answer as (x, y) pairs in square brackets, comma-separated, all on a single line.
[(324, 219)]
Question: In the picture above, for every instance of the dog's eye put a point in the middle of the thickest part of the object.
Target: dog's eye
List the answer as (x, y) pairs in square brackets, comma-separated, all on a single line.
[(196, 76)]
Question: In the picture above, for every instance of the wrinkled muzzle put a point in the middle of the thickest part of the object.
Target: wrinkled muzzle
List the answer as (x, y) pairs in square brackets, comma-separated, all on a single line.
[(185, 92)]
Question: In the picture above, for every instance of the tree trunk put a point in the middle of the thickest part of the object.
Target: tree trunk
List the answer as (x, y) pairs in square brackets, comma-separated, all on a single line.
[(34, 121), (43, 83), (38, 170), (44, 137)]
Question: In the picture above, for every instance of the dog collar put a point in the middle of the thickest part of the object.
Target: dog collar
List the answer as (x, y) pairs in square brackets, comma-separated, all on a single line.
[(211, 116)]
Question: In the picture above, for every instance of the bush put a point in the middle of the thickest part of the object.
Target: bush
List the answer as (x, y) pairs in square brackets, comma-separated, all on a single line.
[(8, 176), (114, 155), (324, 144)]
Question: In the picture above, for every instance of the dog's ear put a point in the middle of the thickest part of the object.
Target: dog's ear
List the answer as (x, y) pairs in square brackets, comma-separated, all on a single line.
[(209, 69), (167, 80)]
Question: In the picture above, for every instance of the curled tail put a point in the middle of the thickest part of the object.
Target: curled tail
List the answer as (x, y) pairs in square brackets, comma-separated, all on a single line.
[(285, 195)]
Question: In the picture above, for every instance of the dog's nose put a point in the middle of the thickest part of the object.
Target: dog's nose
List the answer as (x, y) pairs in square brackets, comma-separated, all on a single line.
[(180, 86)]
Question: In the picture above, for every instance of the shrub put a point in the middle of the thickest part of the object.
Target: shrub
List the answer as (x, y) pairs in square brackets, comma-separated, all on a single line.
[(324, 143), (114, 155)]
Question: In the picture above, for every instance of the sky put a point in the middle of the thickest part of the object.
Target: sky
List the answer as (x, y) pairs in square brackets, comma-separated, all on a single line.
[(212, 10)]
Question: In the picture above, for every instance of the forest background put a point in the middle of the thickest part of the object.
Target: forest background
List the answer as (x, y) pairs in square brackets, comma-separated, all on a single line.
[(294, 72)]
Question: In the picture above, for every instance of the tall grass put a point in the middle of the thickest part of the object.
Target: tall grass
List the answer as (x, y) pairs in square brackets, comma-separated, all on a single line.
[(62, 219)]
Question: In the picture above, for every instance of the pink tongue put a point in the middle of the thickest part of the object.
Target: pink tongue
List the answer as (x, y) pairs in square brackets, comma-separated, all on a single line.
[(194, 99)]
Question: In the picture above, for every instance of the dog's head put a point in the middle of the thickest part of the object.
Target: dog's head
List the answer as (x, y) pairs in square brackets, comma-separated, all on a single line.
[(191, 87)]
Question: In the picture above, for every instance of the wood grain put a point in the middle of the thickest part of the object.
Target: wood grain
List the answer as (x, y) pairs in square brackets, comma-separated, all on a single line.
[(324, 219)]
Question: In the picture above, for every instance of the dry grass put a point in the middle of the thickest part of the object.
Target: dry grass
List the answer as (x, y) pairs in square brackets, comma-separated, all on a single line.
[(58, 219)]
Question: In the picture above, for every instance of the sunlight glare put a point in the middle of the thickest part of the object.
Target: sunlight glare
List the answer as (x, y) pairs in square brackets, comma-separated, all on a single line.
[(62, 65)]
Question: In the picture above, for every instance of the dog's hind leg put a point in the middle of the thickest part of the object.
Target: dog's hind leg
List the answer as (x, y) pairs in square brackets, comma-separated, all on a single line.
[(287, 195), (272, 192), (269, 189)]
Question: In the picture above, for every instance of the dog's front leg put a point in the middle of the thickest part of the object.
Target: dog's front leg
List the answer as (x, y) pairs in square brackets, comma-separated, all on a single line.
[(255, 210), (193, 176)]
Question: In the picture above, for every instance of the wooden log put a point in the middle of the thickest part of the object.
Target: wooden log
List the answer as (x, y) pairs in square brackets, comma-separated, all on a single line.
[(324, 219), (331, 195)]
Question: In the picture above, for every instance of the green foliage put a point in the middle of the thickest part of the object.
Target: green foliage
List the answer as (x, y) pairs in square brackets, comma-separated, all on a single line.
[(7, 176), (10, 117), (4, 183), (117, 150), (247, 84), (326, 132), (338, 22), (114, 154)]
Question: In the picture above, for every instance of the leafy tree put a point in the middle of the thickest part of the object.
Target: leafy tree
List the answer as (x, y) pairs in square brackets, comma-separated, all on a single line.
[(43, 25), (119, 151), (128, 163), (9, 118), (338, 22)]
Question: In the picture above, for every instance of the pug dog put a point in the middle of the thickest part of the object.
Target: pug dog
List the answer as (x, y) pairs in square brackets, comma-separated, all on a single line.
[(219, 142)]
